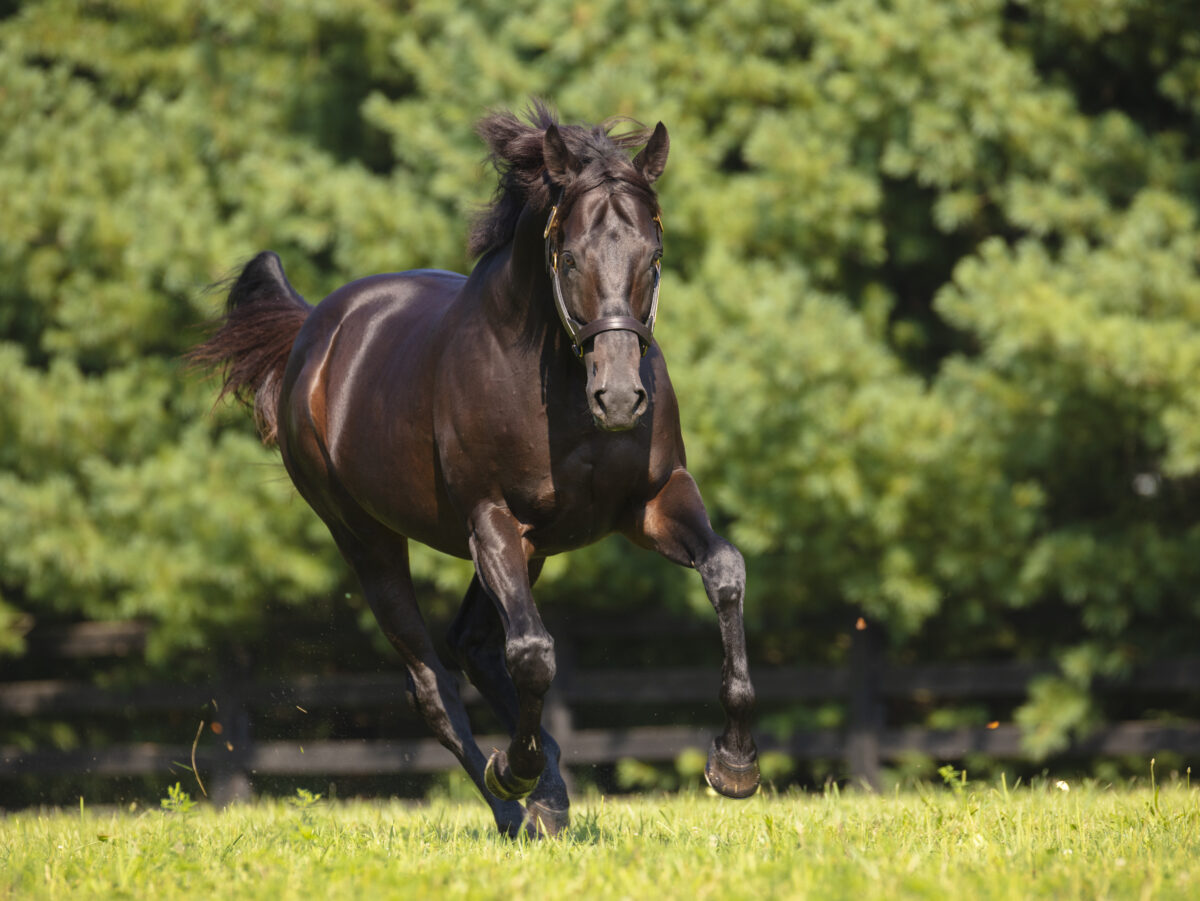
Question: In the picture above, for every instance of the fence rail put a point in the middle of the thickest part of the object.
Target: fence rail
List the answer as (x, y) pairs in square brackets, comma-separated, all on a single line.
[(866, 685)]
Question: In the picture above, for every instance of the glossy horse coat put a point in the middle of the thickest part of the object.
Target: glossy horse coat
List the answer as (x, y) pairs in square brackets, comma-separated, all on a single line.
[(519, 412)]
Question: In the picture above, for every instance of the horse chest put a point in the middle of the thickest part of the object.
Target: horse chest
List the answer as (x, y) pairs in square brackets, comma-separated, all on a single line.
[(580, 496)]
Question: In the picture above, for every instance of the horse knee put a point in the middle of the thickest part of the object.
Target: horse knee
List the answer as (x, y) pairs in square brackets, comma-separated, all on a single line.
[(724, 574), (531, 663)]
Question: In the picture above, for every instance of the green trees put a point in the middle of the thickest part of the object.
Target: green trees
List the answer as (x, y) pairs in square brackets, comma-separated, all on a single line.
[(930, 300)]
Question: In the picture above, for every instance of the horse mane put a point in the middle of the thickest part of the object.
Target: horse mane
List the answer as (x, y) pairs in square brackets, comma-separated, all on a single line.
[(515, 151)]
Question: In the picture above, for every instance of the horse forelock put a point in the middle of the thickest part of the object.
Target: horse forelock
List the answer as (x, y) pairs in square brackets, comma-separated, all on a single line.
[(627, 181), (515, 151)]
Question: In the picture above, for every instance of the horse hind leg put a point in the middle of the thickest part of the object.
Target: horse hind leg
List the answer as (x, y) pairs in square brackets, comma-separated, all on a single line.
[(476, 639), (431, 689)]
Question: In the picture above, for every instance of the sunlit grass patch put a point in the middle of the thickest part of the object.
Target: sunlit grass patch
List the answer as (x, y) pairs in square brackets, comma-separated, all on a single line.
[(971, 841)]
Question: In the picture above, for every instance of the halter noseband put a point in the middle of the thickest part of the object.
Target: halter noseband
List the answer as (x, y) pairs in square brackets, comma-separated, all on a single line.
[(580, 332)]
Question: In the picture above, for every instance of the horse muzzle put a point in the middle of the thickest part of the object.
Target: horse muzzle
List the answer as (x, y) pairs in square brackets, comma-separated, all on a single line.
[(617, 411), (616, 397)]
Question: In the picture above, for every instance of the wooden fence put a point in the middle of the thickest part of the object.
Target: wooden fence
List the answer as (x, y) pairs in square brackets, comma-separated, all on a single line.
[(868, 687)]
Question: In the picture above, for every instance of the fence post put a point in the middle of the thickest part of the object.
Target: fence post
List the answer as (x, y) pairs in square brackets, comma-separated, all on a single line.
[(866, 718), (231, 723)]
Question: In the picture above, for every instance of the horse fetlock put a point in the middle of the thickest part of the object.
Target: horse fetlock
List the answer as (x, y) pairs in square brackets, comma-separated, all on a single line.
[(527, 758), (737, 698), (502, 782)]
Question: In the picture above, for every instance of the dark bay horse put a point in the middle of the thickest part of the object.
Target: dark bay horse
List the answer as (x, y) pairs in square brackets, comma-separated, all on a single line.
[(505, 416)]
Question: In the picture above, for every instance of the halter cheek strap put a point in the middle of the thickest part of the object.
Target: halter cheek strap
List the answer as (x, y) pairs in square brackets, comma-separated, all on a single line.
[(579, 332)]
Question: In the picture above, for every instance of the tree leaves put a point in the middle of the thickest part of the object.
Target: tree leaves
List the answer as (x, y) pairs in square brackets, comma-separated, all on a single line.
[(930, 291)]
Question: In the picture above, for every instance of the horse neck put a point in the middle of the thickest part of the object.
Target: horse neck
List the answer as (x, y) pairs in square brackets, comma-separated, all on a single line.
[(522, 301)]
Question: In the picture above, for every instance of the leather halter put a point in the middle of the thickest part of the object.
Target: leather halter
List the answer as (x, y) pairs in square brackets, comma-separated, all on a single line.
[(580, 332)]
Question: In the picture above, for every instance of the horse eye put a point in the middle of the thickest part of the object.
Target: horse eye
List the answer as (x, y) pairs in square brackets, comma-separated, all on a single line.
[(568, 260)]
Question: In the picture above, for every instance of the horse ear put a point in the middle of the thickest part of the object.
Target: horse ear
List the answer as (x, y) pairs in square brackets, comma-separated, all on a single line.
[(653, 157), (560, 162)]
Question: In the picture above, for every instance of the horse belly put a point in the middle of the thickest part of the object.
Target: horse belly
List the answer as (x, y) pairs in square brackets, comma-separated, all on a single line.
[(385, 460)]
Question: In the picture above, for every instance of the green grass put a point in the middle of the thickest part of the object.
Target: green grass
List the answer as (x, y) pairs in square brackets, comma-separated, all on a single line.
[(952, 842)]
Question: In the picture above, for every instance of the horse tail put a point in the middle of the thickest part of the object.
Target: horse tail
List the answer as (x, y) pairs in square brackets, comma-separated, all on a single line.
[(254, 338)]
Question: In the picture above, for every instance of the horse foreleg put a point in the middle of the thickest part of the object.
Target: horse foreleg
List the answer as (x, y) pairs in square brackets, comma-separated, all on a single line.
[(502, 564), (676, 525), (476, 639)]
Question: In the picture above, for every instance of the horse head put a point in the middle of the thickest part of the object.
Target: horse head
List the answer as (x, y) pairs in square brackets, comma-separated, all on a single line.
[(603, 247)]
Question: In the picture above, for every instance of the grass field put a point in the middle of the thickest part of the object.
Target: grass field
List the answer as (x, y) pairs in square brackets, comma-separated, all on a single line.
[(1078, 841)]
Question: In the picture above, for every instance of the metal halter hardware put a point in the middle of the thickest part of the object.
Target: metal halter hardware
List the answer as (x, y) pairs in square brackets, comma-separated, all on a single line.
[(580, 332)]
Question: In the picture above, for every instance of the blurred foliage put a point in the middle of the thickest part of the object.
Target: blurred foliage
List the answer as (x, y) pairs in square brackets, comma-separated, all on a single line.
[(931, 298)]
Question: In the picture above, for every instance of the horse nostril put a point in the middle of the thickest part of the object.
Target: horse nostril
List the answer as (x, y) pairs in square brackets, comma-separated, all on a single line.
[(599, 396)]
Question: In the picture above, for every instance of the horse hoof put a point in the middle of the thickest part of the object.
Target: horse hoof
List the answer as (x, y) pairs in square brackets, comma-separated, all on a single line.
[(502, 782), (731, 779), (514, 828), (546, 821)]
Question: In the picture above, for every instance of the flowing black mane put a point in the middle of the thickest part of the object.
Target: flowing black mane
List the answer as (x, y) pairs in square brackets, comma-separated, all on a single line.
[(516, 153)]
